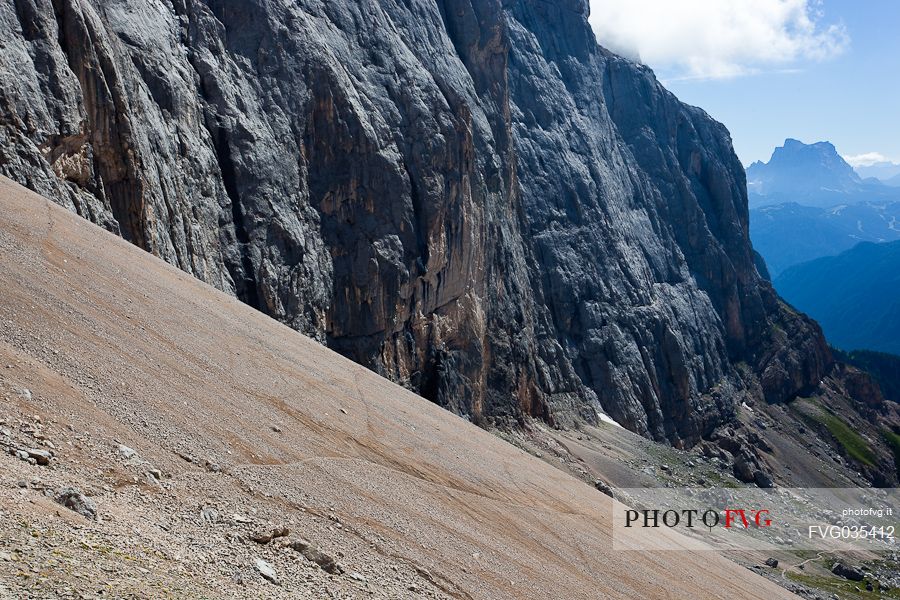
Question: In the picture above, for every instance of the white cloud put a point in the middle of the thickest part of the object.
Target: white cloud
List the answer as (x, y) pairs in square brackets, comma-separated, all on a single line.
[(710, 39), (867, 159)]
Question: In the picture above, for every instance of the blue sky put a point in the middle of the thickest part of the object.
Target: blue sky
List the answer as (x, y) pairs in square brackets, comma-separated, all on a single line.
[(772, 69)]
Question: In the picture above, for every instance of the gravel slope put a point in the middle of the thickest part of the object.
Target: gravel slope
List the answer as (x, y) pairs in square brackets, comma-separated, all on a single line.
[(239, 426)]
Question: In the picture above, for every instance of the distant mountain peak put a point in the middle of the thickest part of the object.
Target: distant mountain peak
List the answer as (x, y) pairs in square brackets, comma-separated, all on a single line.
[(809, 174), (795, 154), (794, 144)]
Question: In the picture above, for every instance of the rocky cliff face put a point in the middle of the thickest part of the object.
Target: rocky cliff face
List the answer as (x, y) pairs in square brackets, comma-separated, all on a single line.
[(472, 198)]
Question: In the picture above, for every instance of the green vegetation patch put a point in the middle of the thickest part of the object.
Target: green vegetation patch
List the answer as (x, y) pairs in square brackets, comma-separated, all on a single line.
[(855, 446), (893, 440), (842, 587)]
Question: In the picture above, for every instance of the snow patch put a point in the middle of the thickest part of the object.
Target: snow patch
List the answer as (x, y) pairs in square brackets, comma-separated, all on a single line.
[(608, 419)]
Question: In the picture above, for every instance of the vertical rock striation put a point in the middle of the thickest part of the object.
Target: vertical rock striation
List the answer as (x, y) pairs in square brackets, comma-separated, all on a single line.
[(472, 198)]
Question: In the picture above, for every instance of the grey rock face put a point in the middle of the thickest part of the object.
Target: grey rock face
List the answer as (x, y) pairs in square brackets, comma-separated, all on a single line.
[(78, 502), (473, 199), (851, 573)]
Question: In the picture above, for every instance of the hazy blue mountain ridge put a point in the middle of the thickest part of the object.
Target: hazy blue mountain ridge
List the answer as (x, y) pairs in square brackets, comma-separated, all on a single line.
[(883, 171), (854, 296), (811, 175), (789, 234)]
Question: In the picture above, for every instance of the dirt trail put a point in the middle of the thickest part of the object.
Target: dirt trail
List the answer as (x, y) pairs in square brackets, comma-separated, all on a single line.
[(102, 345)]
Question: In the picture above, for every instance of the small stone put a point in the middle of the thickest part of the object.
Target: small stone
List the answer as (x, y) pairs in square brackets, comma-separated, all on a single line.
[(869, 586), (209, 515), (264, 537), (313, 554), (78, 502), (22, 483), (772, 562), (26, 393), (344, 410), (266, 570), (604, 487), (127, 452), (41, 457), (276, 428), (357, 577)]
